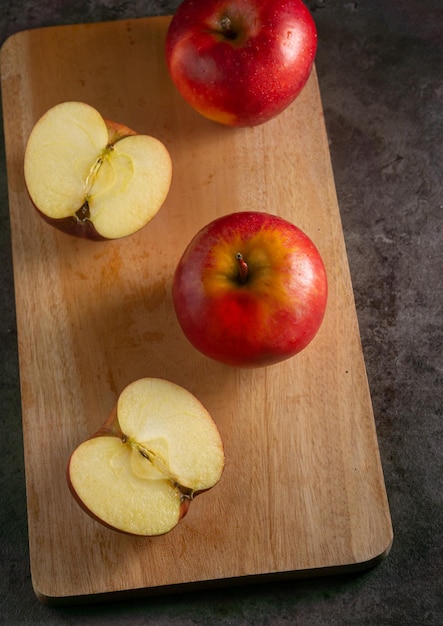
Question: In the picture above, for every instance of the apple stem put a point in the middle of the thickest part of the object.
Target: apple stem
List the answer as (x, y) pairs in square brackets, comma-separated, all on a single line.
[(243, 269), (226, 25)]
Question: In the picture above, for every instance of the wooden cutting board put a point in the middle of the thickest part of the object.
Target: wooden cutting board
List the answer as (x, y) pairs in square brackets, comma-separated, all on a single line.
[(303, 489)]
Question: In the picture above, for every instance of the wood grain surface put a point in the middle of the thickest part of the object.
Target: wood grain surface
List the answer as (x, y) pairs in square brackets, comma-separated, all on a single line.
[(303, 489)]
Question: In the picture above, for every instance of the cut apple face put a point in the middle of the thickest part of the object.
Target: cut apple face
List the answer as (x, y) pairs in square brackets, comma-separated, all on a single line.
[(158, 449), (92, 177)]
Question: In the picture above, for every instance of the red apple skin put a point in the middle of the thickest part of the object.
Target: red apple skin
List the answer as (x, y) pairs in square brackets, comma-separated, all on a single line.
[(272, 315), (249, 73), (79, 225)]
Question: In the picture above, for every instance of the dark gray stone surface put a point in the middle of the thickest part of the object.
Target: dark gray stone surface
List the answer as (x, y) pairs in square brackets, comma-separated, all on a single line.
[(380, 71)]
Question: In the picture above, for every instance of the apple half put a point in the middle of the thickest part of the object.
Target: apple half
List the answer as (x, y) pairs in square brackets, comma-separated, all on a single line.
[(158, 449), (92, 177)]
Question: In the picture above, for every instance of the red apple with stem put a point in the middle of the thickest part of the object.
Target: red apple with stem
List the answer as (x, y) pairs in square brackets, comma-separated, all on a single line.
[(250, 289), (241, 62)]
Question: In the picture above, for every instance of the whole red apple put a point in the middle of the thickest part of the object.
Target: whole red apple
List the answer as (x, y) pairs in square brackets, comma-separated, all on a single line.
[(250, 289), (241, 62)]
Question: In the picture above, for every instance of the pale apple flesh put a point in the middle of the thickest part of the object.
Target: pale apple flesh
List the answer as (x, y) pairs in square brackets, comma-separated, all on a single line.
[(93, 177), (241, 62), (250, 290), (140, 472)]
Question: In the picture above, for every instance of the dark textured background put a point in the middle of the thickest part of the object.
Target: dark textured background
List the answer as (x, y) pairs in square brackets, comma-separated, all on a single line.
[(380, 71)]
